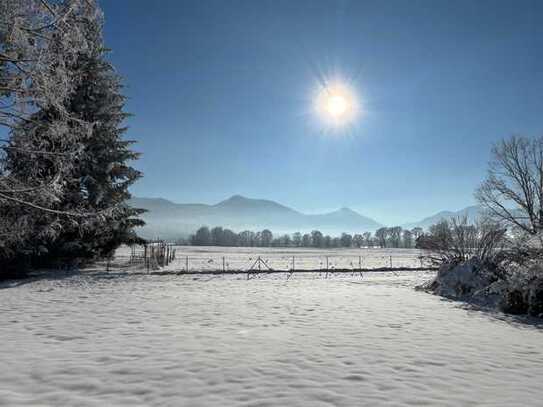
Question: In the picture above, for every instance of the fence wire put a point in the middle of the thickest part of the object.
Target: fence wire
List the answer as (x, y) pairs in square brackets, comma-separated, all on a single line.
[(189, 260)]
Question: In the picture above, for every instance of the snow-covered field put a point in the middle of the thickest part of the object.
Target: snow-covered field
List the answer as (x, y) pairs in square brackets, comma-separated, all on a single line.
[(200, 258), (99, 339)]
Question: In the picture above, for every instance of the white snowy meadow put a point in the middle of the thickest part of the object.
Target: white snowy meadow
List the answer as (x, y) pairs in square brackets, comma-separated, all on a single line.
[(103, 339)]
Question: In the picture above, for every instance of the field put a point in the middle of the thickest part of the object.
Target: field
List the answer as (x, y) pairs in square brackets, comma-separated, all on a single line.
[(108, 339), (212, 258)]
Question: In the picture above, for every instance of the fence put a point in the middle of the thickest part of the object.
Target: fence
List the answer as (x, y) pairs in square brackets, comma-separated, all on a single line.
[(159, 255), (296, 263), (151, 256)]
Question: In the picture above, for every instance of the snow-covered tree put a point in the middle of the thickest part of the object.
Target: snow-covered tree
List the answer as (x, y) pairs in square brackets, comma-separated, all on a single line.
[(71, 150), (39, 42), (99, 182)]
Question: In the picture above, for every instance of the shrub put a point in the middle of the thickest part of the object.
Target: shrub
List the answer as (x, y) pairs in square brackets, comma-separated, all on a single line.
[(455, 241)]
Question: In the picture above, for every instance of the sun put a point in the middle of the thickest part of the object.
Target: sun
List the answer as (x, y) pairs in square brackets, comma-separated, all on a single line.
[(336, 104)]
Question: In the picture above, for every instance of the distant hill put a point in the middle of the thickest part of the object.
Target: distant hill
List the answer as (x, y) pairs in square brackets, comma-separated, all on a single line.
[(172, 220), (472, 212)]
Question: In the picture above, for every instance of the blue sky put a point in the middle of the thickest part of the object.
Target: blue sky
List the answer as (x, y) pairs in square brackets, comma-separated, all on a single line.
[(222, 94)]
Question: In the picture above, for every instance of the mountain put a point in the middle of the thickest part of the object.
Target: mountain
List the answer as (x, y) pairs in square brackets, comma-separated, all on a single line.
[(171, 220), (472, 212)]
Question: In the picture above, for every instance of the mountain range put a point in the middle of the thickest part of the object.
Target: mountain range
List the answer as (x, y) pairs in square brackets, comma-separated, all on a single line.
[(171, 220), (472, 213)]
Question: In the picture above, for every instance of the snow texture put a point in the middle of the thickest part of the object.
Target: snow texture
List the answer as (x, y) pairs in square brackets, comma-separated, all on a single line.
[(103, 339)]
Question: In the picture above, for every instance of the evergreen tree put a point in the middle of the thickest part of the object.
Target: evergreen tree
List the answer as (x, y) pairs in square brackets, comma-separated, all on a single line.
[(95, 186), (103, 174), (40, 45)]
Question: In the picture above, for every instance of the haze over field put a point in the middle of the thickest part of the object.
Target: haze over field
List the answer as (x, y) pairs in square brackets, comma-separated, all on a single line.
[(175, 220)]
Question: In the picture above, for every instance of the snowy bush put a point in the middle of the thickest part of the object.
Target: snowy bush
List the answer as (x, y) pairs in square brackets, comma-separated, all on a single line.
[(455, 241)]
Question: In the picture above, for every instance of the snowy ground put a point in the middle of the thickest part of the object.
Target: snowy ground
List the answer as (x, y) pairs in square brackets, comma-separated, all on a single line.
[(99, 339), (242, 258)]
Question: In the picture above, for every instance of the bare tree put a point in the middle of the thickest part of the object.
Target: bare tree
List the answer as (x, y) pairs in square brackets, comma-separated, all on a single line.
[(317, 239), (417, 232), (513, 190), (346, 240), (266, 237), (367, 239), (395, 236), (358, 240), (407, 237), (455, 240), (381, 235)]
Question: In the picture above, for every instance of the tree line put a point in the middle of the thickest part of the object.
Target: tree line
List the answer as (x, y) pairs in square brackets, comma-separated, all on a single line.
[(393, 237), (64, 163)]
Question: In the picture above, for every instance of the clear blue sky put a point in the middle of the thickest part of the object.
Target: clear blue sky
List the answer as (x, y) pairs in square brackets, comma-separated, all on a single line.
[(221, 92)]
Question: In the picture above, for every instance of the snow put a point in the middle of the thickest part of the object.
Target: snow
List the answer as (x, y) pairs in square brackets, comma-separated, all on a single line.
[(205, 258), (103, 339)]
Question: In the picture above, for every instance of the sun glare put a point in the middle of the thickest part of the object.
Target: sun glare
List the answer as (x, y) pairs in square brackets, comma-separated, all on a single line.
[(336, 104)]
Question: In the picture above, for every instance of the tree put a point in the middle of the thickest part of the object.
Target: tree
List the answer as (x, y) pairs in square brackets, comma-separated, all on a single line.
[(246, 238), (407, 238), (266, 237), (258, 239), (217, 236), (346, 240), (202, 237), (417, 232), (103, 174), (454, 241), (367, 239), (381, 235), (286, 241), (395, 236), (297, 239), (358, 240), (65, 171), (306, 240), (317, 238), (36, 35), (98, 182), (229, 238), (513, 190)]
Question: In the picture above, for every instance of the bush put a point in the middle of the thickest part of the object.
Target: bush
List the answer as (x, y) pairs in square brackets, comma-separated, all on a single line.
[(524, 290), (455, 241)]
